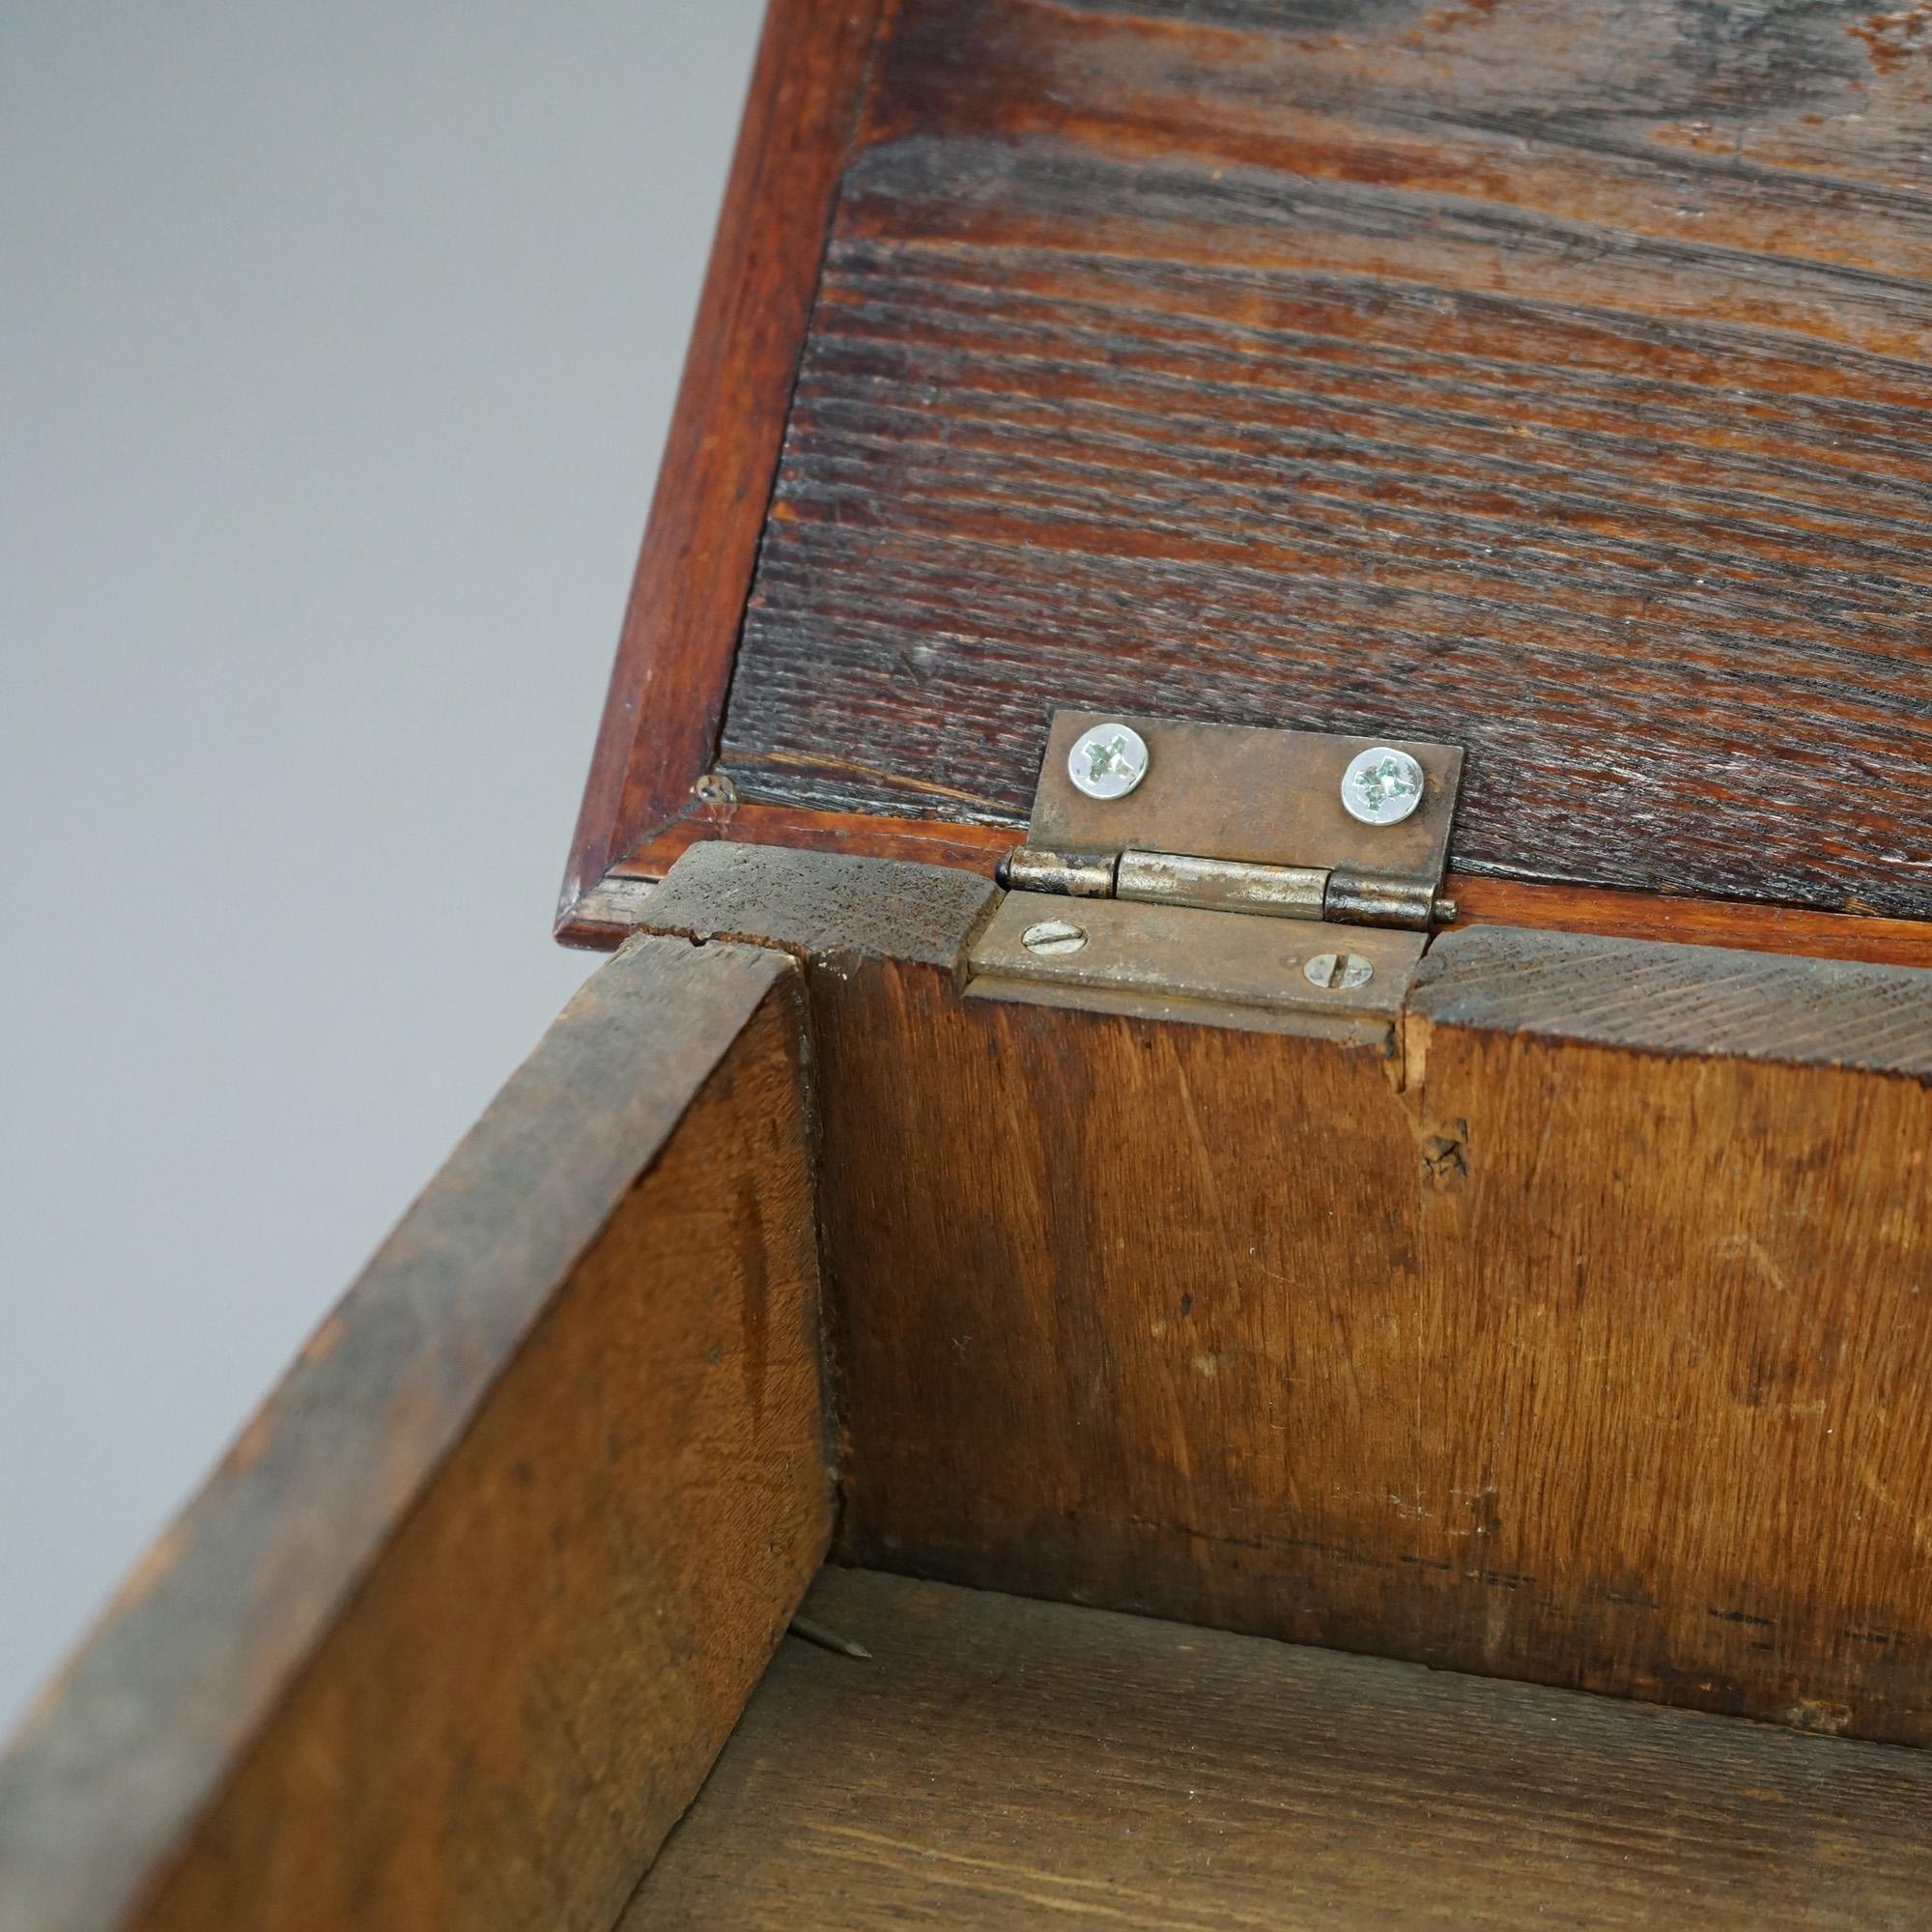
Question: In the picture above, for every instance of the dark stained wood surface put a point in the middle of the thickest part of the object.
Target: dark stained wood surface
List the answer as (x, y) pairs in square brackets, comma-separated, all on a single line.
[(667, 695), (1578, 1338), (1753, 928), (451, 1636), (1002, 1764), (1545, 375)]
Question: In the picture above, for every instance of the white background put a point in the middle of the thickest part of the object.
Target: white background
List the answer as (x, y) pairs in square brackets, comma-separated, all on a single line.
[(337, 347)]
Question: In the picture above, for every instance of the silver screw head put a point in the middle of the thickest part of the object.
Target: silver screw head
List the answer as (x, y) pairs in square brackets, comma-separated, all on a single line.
[(1332, 971), (1054, 935), (1107, 760), (1381, 786)]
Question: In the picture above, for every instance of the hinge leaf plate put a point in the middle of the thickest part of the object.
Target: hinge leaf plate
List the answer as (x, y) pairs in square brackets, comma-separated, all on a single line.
[(1232, 791), (1180, 962)]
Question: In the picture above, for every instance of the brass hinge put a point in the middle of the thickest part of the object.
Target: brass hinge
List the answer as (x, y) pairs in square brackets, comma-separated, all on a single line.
[(1179, 825)]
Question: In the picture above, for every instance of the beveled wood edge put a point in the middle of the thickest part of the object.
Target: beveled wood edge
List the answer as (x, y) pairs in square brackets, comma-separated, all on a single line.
[(608, 912), (666, 699), (131, 1741), (1607, 912)]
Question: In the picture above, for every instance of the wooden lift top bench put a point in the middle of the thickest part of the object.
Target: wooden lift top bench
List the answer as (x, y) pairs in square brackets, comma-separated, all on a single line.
[(1461, 1282)]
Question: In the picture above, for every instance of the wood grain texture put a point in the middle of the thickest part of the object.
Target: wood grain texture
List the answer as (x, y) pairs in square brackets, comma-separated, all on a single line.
[(1675, 1249), (667, 694), (604, 918), (1545, 377), (1796, 930), (1674, 1000), (1003, 1764), (822, 907), (1579, 1339), (452, 1634)]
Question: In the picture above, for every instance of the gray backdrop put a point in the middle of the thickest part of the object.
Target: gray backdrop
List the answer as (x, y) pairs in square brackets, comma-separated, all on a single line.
[(337, 345)]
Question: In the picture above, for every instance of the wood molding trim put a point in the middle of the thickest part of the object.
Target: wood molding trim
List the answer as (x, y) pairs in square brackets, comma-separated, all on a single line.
[(680, 635)]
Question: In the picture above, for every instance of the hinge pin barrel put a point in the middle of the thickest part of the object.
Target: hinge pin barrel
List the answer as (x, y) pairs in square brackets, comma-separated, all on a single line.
[(1220, 884), (1360, 898), (1338, 895), (1079, 875)]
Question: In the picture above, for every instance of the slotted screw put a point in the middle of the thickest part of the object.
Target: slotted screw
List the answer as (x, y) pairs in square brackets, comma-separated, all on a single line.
[(1052, 936), (1333, 971)]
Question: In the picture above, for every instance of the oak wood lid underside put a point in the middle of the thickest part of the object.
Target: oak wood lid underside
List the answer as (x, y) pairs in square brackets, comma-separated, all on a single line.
[(1551, 378)]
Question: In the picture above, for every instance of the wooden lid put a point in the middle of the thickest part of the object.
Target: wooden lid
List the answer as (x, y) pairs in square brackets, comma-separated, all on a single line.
[(1546, 377)]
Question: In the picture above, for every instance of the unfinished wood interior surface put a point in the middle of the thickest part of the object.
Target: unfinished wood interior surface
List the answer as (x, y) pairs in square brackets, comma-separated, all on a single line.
[(1548, 377), (1575, 1332), (452, 1635), (1001, 1764)]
